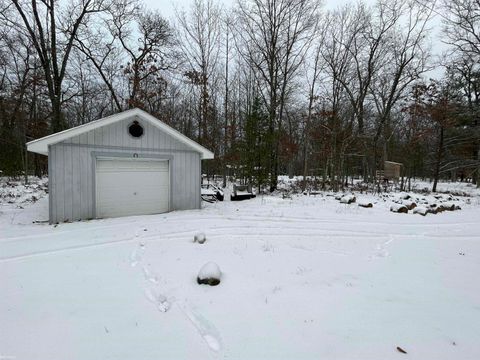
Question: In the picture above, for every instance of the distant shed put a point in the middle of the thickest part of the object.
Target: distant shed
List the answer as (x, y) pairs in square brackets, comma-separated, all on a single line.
[(129, 163), (392, 170)]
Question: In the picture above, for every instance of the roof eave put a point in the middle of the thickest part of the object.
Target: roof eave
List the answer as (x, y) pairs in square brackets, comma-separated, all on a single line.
[(40, 146), (207, 155), (37, 148)]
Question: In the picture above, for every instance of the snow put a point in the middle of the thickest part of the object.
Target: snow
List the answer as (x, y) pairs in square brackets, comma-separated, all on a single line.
[(16, 192), (456, 188), (303, 278), (209, 192)]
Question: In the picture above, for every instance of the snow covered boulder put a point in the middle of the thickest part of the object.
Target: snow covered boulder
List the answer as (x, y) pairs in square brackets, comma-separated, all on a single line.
[(404, 196), (421, 210), (434, 210), (365, 204), (433, 206), (449, 206), (409, 204), (399, 208), (200, 238), (347, 199), (339, 196), (209, 274)]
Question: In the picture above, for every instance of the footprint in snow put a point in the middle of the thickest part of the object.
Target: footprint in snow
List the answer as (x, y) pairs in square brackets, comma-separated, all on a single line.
[(137, 254), (205, 329), (159, 300), (149, 275), (381, 251)]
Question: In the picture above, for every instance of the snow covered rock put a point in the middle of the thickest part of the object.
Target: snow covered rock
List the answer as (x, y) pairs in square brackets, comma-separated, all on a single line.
[(399, 208), (200, 238), (209, 274), (434, 209), (441, 208), (365, 204), (339, 196), (421, 210), (405, 196), (409, 204), (347, 199), (449, 206)]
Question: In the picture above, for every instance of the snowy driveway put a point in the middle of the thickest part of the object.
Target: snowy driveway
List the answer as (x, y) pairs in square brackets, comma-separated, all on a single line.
[(305, 278)]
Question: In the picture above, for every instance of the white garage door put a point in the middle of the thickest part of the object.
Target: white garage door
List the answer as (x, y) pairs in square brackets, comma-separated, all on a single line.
[(131, 187)]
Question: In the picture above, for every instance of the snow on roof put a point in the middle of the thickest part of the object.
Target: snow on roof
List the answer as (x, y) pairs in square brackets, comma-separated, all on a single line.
[(393, 163), (40, 146)]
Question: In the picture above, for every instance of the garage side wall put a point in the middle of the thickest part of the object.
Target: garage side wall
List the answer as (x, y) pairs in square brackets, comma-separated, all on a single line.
[(72, 168)]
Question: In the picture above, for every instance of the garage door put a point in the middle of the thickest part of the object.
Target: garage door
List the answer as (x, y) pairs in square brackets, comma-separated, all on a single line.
[(131, 187)]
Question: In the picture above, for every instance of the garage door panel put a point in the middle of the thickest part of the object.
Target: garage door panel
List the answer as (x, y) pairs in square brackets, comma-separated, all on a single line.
[(132, 187)]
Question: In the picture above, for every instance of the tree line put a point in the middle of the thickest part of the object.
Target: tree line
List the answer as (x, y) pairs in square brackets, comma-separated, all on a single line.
[(270, 86)]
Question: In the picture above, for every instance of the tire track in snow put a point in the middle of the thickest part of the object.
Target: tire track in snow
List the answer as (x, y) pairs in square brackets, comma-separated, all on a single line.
[(202, 219), (243, 226)]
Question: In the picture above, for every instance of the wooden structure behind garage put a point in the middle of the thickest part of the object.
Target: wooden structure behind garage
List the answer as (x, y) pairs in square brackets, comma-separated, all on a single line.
[(392, 170)]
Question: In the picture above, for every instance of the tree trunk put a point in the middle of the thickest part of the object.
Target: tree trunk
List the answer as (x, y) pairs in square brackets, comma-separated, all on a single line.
[(436, 173)]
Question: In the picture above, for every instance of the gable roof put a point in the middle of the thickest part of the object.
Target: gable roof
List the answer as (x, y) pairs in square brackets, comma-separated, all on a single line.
[(40, 146)]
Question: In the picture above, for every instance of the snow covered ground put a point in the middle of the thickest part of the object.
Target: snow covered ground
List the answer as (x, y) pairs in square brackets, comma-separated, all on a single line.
[(302, 278), (16, 192)]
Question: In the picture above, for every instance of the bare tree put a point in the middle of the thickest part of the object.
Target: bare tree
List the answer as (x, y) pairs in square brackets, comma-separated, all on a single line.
[(274, 36), (199, 32), (52, 29), (462, 25), (404, 62), (313, 71), (462, 33)]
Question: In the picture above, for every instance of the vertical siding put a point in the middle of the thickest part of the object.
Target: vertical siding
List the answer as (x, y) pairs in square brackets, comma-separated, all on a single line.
[(83, 174), (72, 185), (59, 200)]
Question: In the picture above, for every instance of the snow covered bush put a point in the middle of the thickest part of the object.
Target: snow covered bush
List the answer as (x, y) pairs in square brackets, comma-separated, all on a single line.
[(209, 274)]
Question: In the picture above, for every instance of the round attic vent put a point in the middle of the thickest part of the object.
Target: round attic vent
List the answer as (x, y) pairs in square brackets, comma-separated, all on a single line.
[(135, 129)]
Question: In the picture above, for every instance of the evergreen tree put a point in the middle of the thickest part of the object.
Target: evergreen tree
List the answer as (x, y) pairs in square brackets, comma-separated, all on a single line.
[(255, 146)]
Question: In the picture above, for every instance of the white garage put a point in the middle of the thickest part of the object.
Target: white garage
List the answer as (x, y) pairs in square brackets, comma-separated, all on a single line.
[(132, 187), (125, 164)]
